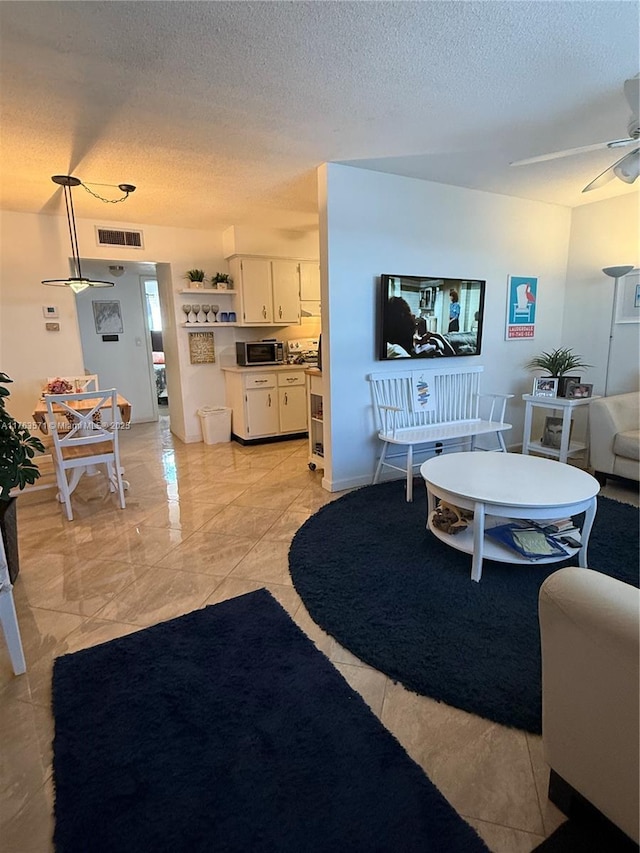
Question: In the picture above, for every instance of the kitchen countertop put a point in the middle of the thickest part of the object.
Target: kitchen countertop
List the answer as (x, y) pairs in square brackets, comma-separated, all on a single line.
[(262, 368)]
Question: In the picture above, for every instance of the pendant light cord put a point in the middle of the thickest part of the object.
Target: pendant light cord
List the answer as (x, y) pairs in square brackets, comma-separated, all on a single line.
[(73, 236)]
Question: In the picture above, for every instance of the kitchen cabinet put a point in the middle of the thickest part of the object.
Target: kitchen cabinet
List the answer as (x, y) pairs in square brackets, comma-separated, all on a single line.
[(292, 403), (269, 289), (309, 272), (286, 291), (266, 402)]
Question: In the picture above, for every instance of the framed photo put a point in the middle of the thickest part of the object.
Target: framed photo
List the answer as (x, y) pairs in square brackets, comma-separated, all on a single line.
[(522, 292), (202, 348), (628, 298), (552, 435), (545, 386), (564, 382), (107, 317), (578, 390)]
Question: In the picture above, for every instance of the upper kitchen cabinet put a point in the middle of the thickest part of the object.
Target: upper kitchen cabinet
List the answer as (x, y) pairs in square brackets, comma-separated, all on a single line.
[(252, 280), (309, 288), (268, 291), (286, 291)]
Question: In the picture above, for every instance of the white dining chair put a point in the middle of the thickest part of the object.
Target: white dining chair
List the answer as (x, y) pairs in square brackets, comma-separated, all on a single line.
[(84, 436), (9, 617)]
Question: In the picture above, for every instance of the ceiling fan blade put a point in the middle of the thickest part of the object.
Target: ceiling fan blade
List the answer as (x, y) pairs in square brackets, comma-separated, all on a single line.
[(597, 146), (610, 173)]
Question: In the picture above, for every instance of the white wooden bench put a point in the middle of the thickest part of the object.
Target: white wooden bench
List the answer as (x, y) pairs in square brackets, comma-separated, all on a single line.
[(432, 410)]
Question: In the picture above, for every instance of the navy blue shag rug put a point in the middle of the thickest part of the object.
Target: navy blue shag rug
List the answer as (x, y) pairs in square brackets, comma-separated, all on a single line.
[(374, 578), (227, 730)]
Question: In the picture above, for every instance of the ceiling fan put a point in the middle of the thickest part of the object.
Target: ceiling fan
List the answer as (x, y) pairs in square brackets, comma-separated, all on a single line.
[(627, 168)]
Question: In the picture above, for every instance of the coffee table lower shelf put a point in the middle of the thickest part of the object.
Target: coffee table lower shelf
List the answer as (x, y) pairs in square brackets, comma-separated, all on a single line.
[(492, 550)]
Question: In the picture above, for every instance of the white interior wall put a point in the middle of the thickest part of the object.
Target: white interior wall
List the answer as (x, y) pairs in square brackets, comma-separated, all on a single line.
[(121, 364), (35, 247), (603, 234), (377, 223), (274, 242)]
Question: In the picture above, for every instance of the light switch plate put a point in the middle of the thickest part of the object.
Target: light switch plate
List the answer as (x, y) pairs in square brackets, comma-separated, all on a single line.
[(50, 311)]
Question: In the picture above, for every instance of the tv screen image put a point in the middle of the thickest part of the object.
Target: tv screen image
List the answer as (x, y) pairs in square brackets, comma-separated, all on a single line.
[(429, 317)]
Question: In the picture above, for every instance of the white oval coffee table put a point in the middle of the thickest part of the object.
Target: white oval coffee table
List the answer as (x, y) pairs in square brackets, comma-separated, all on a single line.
[(499, 486)]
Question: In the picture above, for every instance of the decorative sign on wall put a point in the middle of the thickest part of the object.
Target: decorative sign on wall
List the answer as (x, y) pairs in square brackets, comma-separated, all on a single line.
[(423, 392), (521, 307), (202, 348)]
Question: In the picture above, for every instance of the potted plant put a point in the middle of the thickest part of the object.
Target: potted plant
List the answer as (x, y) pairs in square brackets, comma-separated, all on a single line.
[(17, 468), (195, 277), (559, 363), (221, 280)]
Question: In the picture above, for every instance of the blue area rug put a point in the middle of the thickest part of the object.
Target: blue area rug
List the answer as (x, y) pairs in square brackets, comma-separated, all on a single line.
[(374, 578), (227, 730)]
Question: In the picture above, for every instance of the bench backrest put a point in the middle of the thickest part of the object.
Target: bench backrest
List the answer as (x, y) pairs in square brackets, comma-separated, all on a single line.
[(455, 390)]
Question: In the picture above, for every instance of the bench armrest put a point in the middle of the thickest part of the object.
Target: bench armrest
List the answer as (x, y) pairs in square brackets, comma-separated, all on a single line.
[(498, 405)]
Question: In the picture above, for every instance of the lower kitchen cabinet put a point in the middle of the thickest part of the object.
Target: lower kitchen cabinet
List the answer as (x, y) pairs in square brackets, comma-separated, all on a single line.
[(266, 403)]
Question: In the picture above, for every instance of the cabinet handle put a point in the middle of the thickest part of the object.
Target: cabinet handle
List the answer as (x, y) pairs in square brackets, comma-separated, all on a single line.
[(269, 400), (260, 381), (264, 311), (280, 311), (286, 399), (291, 379)]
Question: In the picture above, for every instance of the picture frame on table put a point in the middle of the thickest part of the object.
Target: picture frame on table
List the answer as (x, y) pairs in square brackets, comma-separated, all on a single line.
[(552, 433), (545, 386), (579, 390)]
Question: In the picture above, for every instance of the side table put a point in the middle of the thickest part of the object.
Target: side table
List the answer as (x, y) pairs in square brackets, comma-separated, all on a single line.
[(567, 448)]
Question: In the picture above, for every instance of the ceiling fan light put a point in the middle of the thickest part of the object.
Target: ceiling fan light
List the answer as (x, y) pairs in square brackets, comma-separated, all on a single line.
[(628, 168)]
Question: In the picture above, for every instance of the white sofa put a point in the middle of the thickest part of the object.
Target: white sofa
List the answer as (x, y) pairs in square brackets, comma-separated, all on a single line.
[(590, 633), (614, 436)]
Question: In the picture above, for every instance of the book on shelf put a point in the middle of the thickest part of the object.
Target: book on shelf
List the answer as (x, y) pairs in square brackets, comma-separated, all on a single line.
[(529, 542)]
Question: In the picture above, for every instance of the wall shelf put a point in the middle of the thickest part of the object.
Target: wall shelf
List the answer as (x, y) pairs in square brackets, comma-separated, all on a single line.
[(206, 291), (206, 325)]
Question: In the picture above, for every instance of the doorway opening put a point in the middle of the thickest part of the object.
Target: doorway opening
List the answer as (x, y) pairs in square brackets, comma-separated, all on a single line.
[(154, 325)]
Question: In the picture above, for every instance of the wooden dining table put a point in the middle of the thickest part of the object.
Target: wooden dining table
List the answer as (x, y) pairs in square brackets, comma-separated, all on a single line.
[(40, 411)]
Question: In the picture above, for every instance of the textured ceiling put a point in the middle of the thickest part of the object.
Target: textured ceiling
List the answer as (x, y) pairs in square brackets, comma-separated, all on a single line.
[(220, 112)]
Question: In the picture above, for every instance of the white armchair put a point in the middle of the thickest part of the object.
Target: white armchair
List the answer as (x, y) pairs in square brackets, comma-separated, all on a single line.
[(590, 630), (615, 436)]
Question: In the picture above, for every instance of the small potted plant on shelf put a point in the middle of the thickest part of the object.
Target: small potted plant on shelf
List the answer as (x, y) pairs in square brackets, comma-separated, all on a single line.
[(559, 363), (195, 278), (222, 280), (17, 469)]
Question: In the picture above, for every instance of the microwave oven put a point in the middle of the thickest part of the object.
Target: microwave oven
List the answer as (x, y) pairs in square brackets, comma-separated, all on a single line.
[(259, 352)]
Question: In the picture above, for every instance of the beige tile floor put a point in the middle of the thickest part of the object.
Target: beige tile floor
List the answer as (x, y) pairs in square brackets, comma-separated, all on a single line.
[(202, 524)]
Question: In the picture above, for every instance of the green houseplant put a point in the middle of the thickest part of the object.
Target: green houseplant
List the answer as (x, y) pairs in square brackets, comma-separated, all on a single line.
[(194, 275), (17, 469), (558, 362), (221, 278)]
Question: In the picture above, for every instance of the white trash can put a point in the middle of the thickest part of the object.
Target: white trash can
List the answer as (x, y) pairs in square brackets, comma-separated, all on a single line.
[(216, 424)]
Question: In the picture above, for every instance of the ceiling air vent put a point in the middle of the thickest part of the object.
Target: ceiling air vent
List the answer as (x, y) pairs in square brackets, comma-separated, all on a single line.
[(111, 237)]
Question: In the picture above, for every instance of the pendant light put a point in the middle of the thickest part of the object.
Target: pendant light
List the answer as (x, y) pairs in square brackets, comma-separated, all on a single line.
[(77, 282)]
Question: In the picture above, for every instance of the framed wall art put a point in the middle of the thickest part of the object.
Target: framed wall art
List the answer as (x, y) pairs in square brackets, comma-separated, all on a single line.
[(628, 298), (107, 317), (522, 293), (202, 348)]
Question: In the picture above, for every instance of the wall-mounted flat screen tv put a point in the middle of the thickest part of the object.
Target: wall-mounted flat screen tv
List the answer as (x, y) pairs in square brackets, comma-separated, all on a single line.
[(429, 317)]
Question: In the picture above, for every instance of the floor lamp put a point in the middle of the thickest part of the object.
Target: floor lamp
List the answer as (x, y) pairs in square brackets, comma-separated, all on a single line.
[(615, 273)]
